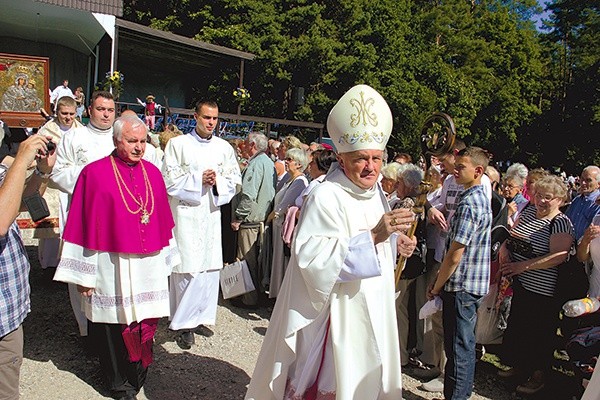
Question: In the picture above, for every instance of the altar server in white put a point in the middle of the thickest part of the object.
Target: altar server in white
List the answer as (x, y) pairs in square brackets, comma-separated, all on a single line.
[(201, 173), (333, 331)]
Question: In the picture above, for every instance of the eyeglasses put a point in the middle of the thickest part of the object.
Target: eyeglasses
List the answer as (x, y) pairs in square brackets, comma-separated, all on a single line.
[(511, 187), (545, 197)]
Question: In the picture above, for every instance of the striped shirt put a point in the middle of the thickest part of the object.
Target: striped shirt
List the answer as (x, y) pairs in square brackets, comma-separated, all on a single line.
[(534, 235), (471, 225), (14, 278)]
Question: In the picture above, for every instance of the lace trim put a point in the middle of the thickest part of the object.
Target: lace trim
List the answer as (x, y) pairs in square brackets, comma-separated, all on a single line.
[(78, 266), (173, 257), (105, 301), (174, 172)]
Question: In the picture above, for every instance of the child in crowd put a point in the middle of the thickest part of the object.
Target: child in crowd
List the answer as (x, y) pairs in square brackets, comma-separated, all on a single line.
[(463, 278)]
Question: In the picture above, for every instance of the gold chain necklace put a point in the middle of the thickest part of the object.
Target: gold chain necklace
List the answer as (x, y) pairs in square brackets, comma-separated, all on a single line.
[(145, 217)]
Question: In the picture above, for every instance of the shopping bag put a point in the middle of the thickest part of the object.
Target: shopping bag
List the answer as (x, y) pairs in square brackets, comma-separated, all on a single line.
[(486, 330), (235, 279)]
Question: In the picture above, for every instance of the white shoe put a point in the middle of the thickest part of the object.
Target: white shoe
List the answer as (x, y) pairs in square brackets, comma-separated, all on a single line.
[(434, 386)]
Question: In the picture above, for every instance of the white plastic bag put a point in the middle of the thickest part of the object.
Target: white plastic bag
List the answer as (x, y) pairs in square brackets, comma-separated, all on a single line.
[(486, 330), (235, 279), (431, 307)]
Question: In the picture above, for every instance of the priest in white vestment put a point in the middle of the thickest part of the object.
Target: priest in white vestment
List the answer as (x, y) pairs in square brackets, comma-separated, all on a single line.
[(333, 331), (201, 173)]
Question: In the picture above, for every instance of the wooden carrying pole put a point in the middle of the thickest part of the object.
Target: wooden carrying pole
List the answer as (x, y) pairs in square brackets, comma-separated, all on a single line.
[(437, 138)]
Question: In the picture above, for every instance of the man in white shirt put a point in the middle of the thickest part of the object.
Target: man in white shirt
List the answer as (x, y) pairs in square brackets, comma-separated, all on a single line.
[(60, 91)]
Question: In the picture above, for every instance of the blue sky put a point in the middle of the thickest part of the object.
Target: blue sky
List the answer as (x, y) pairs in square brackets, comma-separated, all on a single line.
[(538, 18)]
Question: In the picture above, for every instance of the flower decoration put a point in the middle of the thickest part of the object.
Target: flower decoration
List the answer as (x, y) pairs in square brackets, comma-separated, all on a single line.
[(241, 94), (113, 81)]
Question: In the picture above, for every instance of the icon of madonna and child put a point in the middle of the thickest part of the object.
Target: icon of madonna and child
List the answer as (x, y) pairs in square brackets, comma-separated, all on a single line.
[(21, 93)]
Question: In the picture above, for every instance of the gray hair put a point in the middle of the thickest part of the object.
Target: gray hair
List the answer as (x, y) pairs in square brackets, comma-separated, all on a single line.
[(592, 169), (299, 156), (517, 171), (391, 170), (411, 175), (259, 140), (123, 121)]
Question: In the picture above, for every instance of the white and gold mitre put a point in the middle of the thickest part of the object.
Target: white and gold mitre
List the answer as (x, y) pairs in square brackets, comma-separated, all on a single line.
[(360, 120)]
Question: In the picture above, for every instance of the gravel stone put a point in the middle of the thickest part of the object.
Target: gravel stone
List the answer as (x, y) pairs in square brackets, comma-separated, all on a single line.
[(56, 364)]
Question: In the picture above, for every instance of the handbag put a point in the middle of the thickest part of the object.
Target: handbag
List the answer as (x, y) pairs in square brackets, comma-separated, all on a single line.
[(235, 279), (573, 281)]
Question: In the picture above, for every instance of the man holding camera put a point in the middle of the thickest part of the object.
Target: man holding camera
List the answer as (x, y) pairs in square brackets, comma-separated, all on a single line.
[(49, 234), (14, 265)]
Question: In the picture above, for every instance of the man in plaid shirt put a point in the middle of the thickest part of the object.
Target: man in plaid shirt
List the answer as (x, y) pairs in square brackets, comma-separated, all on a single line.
[(14, 265), (463, 278)]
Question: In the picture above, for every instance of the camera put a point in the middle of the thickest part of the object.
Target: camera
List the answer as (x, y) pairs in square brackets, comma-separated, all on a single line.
[(37, 207), (51, 145)]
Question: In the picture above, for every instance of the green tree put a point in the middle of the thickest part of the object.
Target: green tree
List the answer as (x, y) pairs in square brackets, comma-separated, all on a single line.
[(572, 97)]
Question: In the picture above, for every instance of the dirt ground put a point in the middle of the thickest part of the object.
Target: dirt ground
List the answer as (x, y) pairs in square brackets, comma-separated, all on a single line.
[(57, 366)]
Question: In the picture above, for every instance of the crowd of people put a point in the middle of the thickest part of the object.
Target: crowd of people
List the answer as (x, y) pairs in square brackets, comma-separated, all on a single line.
[(140, 229)]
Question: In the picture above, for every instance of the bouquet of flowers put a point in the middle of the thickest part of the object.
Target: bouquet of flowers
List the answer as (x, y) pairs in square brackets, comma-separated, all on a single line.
[(241, 94), (115, 82)]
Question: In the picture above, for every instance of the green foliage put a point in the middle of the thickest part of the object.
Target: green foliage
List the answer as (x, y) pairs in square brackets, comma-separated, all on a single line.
[(480, 61)]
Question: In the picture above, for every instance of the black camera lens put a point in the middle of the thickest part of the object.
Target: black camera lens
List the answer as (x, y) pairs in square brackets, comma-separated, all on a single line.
[(51, 146)]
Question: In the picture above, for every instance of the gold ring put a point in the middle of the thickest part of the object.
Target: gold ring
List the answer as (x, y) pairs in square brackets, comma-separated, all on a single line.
[(394, 222)]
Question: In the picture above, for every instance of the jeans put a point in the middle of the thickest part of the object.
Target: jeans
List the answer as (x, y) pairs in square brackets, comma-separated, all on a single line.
[(460, 317)]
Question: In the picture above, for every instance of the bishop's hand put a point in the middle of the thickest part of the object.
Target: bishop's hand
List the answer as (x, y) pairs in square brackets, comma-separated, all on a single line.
[(398, 220)]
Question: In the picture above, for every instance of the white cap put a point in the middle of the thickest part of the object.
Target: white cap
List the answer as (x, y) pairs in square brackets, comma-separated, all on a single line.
[(361, 120)]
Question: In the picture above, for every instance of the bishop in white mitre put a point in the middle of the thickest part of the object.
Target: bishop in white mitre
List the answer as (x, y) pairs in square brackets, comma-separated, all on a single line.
[(333, 331), (201, 173)]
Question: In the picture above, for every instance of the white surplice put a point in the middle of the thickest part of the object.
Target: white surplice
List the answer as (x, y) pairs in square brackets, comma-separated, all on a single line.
[(196, 210), (127, 287), (338, 278)]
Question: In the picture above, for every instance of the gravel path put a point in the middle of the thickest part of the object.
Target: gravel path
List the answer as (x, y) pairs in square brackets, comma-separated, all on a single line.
[(56, 366)]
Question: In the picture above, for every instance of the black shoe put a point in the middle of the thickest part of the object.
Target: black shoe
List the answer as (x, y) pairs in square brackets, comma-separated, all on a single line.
[(204, 331), (185, 339), (237, 302), (126, 396)]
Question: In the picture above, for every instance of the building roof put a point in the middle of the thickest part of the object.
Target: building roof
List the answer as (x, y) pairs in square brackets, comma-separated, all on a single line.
[(161, 42), (73, 24), (110, 7)]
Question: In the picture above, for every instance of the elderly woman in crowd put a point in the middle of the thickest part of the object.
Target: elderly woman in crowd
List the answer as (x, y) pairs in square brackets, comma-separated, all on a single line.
[(389, 179), (296, 162), (289, 142), (407, 188), (512, 187), (532, 177), (520, 172), (539, 242), (317, 169)]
